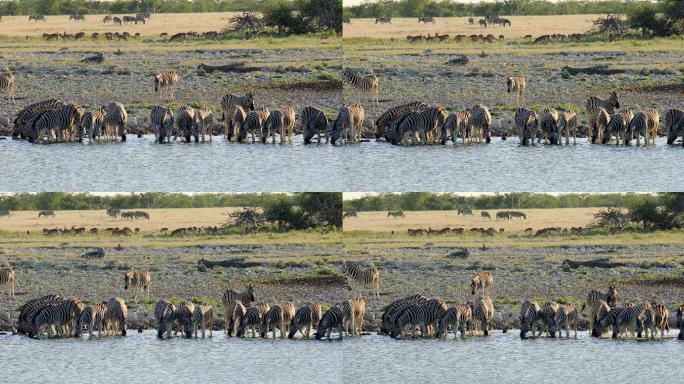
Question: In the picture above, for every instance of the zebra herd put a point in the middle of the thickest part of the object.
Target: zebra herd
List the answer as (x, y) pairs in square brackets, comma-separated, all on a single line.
[(132, 215)]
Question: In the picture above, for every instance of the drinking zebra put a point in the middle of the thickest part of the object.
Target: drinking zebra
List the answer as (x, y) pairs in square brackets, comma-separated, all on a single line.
[(653, 318), (116, 315), (313, 121), (645, 123), (203, 124), (394, 309), (354, 311), (567, 123), (566, 318), (331, 319), (31, 308), (61, 316), (483, 311), (459, 318), (165, 82), (348, 124), (423, 316), (94, 317), (483, 281), (456, 125), (280, 121), (7, 276), (530, 315), (165, 315), (183, 316), (279, 317), (138, 279), (184, 122), (626, 320), (426, 124), (548, 315), (203, 318), (306, 318), (680, 322), (91, 124), (391, 116), (517, 85), (26, 115), (115, 120), (228, 299), (366, 83), (549, 125), (674, 124), (233, 315), (56, 122), (229, 104), (7, 84), (252, 319), (368, 277), (527, 122), (617, 125), (596, 115), (252, 125), (480, 121), (162, 121)]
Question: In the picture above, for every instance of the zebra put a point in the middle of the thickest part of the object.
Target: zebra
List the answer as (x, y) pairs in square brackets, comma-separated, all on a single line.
[(37, 17), (162, 121), (594, 298), (527, 122), (7, 277), (566, 318), (203, 317), (530, 315), (203, 124), (333, 318), (306, 317), (280, 121), (27, 114), (485, 215), (278, 316), (116, 315), (481, 280), (644, 123), (456, 124), (674, 124), (253, 125), (423, 316), (348, 124), (548, 315), (165, 81), (115, 120), (366, 83), (606, 317), (228, 299), (653, 318), (138, 279), (354, 311), (680, 322), (94, 317), (183, 317), (7, 81), (234, 312), (550, 125), (626, 320), (184, 122), (517, 85), (313, 121), (425, 124), (394, 309), (617, 125), (459, 317), (384, 123), (165, 315), (593, 105), (31, 308), (60, 119), (368, 277), (62, 316), (229, 103), (252, 319), (483, 311), (480, 121), (91, 124), (567, 123)]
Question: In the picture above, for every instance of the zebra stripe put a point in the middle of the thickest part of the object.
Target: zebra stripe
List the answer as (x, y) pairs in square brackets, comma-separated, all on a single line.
[(459, 317), (184, 122), (606, 317), (162, 121), (653, 318), (364, 276), (91, 124), (674, 124), (424, 316), (165, 314), (480, 121), (549, 125), (517, 85), (30, 112), (232, 317), (566, 318), (31, 308), (116, 315), (7, 276), (183, 317), (428, 124), (567, 123), (138, 279), (279, 317), (548, 315), (306, 317), (253, 125), (203, 317), (395, 308), (331, 319), (354, 311), (165, 81), (7, 84), (626, 320), (483, 311), (366, 83), (57, 120), (530, 315), (593, 106), (93, 316), (62, 316), (527, 122), (229, 104), (456, 124), (313, 121), (644, 123), (348, 124), (115, 121), (481, 280), (252, 319), (203, 124), (228, 299), (384, 123), (617, 125)]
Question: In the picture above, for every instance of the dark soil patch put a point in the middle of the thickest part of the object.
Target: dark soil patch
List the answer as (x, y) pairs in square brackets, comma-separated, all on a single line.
[(319, 281), (677, 88), (314, 85), (670, 280)]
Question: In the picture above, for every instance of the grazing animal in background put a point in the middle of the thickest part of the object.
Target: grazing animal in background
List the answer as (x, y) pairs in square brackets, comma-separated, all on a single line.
[(203, 317), (549, 125), (7, 81), (674, 124), (331, 319), (456, 124), (313, 121), (530, 315), (305, 319), (527, 122), (480, 121), (246, 297), (115, 120), (567, 123), (165, 83), (459, 318), (366, 83), (485, 215), (517, 85), (252, 319), (645, 123), (279, 317), (46, 213), (203, 124), (368, 277), (165, 315), (618, 126), (483, 312), (566, 318), (7, 276), (483, 281), (162, 121), (138, 279), (229, 104), (594, 105), (37, 18)]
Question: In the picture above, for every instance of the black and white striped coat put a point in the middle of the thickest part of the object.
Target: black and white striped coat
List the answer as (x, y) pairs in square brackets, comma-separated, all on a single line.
[(548, 315), (426, 124), (305, 319), (184, 315), (395, 308), (526, 122), (455, 125), (348, 125), (116, 316), (138, 280), (368, 277), (530, 316), (653, 318), (459, 318), (423, 316), (366, 83), (203, 318), (93, 316), (56, 122), (617, 126), (278, 316), (165, 315), (483, 312), (7, 276), (331, 319), (23, 117), (593, 106), (165, 81), (644, 123), (162, 121), (203, 124), (184, 122), (549, 125), (313, 122), (626, 321), (31, 308), (7, 81), (481, 280), (480, 122), (674, 124), (115, 121), (567, 123), (62, 316), (385, 124), (354, 312), (517, 86), (91, 125), (252, 319), (246, 297), (253, 125), (229, 104), (566, 318)]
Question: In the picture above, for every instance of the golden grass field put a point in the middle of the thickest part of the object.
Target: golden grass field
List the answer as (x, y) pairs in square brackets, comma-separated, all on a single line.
[(159, 218), (536, 219), (159, 22), (520, 26)]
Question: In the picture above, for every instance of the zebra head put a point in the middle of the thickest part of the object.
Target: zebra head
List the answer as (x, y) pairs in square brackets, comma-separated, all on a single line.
[(675, 129)]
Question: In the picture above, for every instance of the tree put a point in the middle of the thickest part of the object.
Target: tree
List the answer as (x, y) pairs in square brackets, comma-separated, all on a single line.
[(280, 15)]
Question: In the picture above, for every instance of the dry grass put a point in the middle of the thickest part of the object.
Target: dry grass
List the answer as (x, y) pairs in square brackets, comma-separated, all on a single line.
[(162, 22), (536, 218), (520, 26), (159, 218)]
